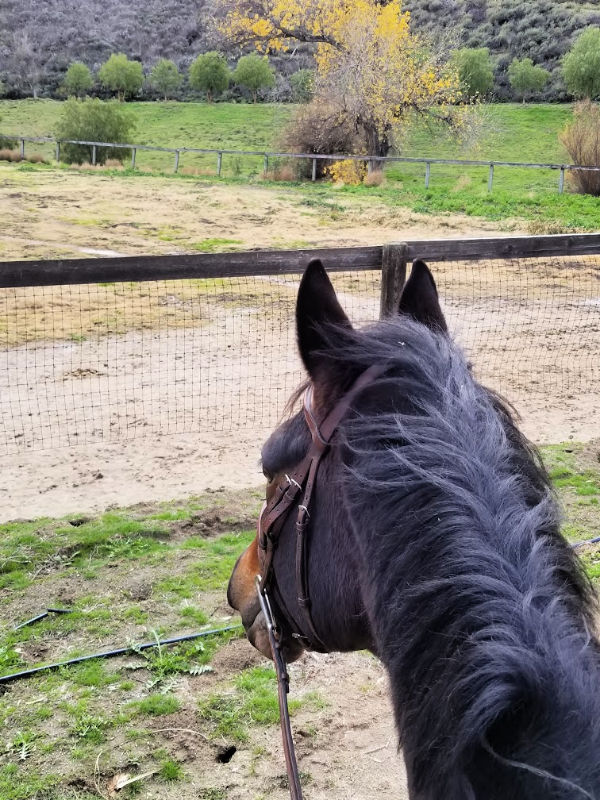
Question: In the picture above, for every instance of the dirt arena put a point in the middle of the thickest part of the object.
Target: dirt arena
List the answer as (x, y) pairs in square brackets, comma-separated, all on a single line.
[(119, 394)]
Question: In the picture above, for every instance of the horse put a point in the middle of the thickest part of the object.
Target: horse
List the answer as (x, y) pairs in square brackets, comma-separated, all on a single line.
[(433, 540)]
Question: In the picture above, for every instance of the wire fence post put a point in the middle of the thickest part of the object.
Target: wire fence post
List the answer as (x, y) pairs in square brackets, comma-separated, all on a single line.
[(176, 164), (561, 180), (133, 152), (491, 178), (314, 169), (219, 164), (393, 276), (57, 151), (427, 174)]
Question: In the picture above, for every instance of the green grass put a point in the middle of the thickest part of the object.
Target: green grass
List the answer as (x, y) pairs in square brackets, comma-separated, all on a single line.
[(510, 132), (156, 705)]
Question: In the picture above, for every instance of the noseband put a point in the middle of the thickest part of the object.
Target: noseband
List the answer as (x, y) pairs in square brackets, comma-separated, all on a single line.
[(296, 490)]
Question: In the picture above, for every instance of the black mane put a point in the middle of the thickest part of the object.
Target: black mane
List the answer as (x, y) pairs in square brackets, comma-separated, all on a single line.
[(482, 613)]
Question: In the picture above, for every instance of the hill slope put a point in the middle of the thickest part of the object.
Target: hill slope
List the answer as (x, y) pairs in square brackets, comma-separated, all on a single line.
[(39, 40)]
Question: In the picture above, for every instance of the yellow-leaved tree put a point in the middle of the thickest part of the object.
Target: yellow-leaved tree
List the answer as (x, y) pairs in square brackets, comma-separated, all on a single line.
[(370, 66)]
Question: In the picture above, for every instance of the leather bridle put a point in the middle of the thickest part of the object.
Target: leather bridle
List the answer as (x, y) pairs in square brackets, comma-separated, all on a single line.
[(295, 490)]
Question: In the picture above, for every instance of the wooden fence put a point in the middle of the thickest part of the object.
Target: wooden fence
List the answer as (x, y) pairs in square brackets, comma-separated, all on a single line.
[(312, 157), (391, 259)]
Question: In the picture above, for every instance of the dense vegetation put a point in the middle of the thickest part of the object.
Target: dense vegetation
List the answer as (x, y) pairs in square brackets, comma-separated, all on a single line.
[(39, 41)]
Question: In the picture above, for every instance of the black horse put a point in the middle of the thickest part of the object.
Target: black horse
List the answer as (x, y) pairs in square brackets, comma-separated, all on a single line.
[(434, 542)]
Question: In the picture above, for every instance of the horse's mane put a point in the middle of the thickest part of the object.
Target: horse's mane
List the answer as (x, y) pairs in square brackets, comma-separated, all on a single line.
[(480, 607)]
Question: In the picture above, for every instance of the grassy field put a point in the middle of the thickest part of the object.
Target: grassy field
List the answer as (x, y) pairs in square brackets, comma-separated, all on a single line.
[(67, 733), (513, 132)]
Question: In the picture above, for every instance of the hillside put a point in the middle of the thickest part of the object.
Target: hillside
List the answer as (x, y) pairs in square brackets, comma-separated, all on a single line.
[(39, 40), (541, 29)]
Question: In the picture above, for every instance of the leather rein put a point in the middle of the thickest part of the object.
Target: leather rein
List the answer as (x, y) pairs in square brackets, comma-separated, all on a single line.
[(295, 490)]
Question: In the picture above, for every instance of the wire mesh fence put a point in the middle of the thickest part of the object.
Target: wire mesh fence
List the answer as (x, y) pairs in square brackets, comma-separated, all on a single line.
[(110, 362)]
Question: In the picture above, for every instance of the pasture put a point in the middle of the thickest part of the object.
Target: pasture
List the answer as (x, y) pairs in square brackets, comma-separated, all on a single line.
[(507, 132)]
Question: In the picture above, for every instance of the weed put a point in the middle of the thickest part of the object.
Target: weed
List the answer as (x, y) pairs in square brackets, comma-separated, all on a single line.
[(156, 705), (254, 702), (170, 770), (215, 245)]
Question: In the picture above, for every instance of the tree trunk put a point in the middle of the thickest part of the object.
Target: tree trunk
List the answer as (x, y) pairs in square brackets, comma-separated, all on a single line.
[(377, 144)]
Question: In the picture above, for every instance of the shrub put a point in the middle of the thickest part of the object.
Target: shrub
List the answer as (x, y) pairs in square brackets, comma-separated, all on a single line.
[(474, 70), (6, 154), (254, 72), (303, 85), (121, 75), (525, 77), (581, 137), (7, 143), (78, 79), (347, 171), (321, 129), (210, 74), (285, 172), (94, 121), (374, 178), (166, 78), (581, 65)]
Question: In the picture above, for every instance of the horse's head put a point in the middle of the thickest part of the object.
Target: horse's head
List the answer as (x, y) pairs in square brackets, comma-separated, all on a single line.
[(335, 616)]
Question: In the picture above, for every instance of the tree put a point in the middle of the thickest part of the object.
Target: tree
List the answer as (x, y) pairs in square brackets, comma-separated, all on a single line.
[(369, 64), (209, 73), (165, 77), (92, 120), (121, 75), (254, 72), (581, 65), (525, 77), (78, 79), (475, 70), (303, 85)]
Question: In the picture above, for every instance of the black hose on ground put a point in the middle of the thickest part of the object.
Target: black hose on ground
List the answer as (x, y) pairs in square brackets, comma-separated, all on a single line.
[(121, 651)]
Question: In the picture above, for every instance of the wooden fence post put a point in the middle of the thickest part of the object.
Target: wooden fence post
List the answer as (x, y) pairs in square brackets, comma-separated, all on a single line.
[(93, 155), (561, 181), (491, 178), (22, 150), (133, 152), (219, 164), (266, 164), (57, 151), (176, 165), (314, 169), (393, 276), (427, 174)]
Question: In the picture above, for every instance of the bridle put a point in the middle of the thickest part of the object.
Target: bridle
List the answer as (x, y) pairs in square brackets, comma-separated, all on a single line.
[(295, 490)]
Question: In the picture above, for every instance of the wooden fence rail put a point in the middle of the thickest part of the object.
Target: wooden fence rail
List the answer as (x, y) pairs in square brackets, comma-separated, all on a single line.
[(391, 259), (313, 157)]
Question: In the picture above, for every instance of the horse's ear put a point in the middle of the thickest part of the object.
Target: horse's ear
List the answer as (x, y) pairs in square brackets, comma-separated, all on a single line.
[(317, 308), (420, 298)]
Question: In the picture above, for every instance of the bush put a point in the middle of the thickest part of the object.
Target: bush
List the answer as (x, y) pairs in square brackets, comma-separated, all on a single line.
[(121, 75), (7, 143), (303, 85), (475, 70), (320, 129), (581, 137), (78, 79), (94, 121), (581, 65), (254, 72), (209, 73), (348, 171), (7, 154)]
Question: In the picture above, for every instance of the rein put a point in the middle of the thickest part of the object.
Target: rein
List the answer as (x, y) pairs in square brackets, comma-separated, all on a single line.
[(298, 486)]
